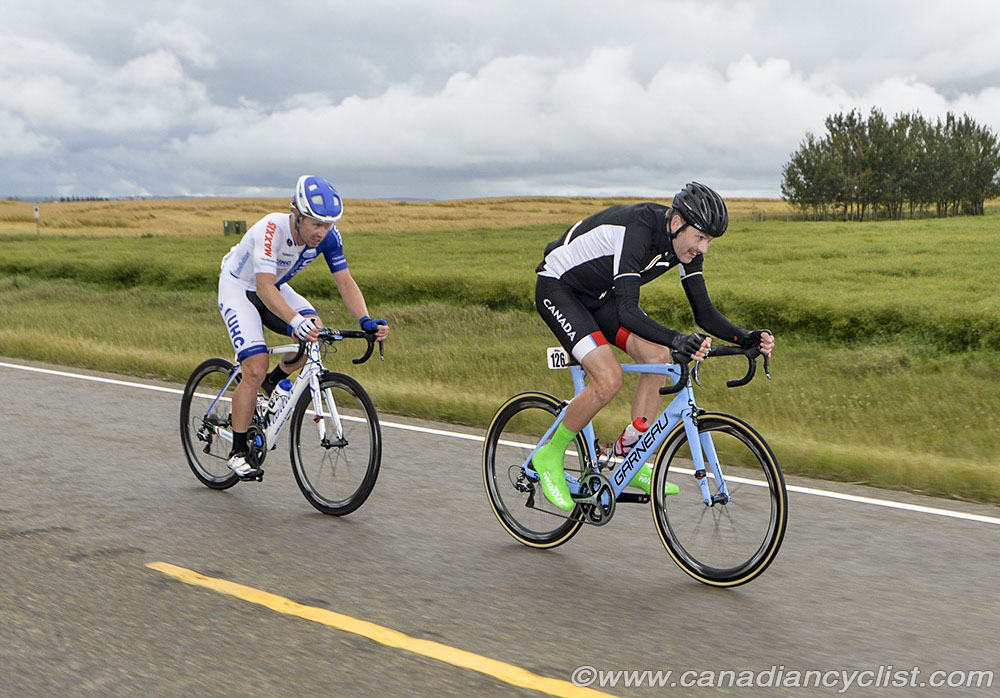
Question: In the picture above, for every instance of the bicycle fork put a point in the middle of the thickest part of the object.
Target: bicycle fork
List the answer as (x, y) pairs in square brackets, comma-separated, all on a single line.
[(318, 397), (702, 449)]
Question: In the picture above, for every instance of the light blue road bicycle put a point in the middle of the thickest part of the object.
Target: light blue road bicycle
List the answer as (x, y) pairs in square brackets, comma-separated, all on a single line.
[(723, 528)]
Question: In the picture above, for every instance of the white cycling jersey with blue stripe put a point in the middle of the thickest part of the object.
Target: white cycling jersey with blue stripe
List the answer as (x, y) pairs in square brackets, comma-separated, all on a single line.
[(268, 248)]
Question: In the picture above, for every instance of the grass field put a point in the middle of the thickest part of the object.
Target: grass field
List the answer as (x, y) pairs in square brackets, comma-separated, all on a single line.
[(885, 372), (197, 217)]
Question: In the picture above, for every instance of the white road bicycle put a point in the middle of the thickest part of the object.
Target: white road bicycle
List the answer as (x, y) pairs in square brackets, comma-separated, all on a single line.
[(335, 442)]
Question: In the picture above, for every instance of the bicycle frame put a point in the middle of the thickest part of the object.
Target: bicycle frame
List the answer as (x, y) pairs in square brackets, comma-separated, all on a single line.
[(308, 379), (680, 411)]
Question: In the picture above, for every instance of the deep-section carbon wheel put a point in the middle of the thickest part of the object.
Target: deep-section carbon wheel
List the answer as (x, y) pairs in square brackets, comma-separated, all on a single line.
[(731, 542), (517, 499), (335, 466)]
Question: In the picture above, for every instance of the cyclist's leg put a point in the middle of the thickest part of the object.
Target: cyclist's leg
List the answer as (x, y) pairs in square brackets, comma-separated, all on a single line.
[(646, 401), (254, 368), (605, 380), (246, 333), (272, 322), (577, 331), (605, 373)]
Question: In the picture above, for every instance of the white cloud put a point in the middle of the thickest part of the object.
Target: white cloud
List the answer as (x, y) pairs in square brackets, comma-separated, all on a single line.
[(570, 122), (443, 99), (17, 142), (178, 37)]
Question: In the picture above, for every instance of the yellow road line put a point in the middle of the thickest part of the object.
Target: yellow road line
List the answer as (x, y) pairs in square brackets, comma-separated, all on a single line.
[(508, 673)]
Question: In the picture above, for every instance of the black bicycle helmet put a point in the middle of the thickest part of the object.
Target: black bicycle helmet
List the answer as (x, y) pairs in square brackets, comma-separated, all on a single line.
[(703, 208)]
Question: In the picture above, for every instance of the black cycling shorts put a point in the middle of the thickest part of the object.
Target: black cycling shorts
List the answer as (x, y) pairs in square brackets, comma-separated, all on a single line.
[(579, 330)]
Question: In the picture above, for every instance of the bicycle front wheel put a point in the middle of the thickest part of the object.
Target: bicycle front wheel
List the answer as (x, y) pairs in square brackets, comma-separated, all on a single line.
[(336, 450), (734, 540), (206, 410), (516, 498)]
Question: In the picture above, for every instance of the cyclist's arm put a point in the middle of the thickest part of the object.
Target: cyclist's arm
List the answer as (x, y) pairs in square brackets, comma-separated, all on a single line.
[(632, 258), (707, 315), (632, 317), (272, 298), (354, 300), (276, 303), (350, 292)]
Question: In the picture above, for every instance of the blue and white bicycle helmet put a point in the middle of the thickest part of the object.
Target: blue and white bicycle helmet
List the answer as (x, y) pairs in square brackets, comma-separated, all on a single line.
[(316, 198)]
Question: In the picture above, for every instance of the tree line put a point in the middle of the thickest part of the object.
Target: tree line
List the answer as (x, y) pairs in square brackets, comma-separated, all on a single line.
[(871, 168)]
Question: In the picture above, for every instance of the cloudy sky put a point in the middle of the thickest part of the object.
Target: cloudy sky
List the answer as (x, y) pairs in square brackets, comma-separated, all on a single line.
[(463, 98)]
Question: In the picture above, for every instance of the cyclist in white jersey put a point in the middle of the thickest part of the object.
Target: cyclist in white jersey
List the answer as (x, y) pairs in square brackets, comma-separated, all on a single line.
[(254, 293)]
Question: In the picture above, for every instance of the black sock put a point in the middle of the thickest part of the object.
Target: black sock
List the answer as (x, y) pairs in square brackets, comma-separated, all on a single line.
[(276, 375), (239, 443)]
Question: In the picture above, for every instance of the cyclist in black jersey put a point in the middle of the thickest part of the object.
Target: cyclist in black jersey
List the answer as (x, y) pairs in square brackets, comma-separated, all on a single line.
[(587, 292)]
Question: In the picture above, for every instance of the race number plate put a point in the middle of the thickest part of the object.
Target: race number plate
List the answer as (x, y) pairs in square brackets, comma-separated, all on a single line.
[(558, 357)]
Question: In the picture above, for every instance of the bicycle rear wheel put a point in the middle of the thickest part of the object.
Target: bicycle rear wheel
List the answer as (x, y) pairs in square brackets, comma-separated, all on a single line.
[(516, 498), (336, 470), (206, 409), (731, 542)]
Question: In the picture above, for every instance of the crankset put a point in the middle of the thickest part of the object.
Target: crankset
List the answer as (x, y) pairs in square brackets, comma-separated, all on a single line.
[(596, 499)]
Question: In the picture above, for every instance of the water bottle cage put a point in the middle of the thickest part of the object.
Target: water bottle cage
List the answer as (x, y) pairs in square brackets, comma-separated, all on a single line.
[(261, 414), (605, 454)]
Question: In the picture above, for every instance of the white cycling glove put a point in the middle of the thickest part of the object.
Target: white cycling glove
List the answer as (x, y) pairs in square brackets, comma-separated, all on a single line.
[(302, 326)]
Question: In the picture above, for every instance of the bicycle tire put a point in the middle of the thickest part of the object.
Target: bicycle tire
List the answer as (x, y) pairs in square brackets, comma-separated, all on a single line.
[(326, 471), (208, 454), (512, 435), (740, 538)]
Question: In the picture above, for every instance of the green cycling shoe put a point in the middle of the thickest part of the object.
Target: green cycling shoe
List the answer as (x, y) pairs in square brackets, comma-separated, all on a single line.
[(548, 463), (644, 479)]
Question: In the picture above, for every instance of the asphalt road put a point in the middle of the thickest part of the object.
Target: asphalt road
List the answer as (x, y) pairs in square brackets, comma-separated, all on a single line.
[(94, 486)]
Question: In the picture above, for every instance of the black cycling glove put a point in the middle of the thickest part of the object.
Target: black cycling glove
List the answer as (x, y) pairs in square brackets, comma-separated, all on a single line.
[(687, 344), (752, 339)]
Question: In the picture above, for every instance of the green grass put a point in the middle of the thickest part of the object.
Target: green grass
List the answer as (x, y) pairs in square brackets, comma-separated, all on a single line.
[(885, 371), (927, 280)]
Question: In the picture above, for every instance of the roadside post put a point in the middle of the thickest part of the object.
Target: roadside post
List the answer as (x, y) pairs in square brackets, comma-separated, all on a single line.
[(234, 227)]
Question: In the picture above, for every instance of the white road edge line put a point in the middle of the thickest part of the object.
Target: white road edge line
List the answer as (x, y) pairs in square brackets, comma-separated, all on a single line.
[(472, 437)]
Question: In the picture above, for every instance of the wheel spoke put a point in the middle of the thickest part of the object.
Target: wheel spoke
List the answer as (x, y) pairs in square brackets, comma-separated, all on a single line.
[(725, 544), (516, 497), (206, 407), (336, 453)]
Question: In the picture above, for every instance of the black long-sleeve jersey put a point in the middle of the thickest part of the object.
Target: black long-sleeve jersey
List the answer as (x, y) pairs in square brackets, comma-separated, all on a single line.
[(617, 250)]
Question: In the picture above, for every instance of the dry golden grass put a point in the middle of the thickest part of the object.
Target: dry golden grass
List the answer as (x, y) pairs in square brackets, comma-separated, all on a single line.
[(197, 217)]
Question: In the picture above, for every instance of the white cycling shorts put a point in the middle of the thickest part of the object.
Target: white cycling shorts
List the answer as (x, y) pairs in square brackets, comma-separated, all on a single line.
[(245, 321)]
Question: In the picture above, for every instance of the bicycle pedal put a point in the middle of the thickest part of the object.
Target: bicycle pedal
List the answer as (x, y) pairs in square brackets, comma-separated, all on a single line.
[(253, 476)]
